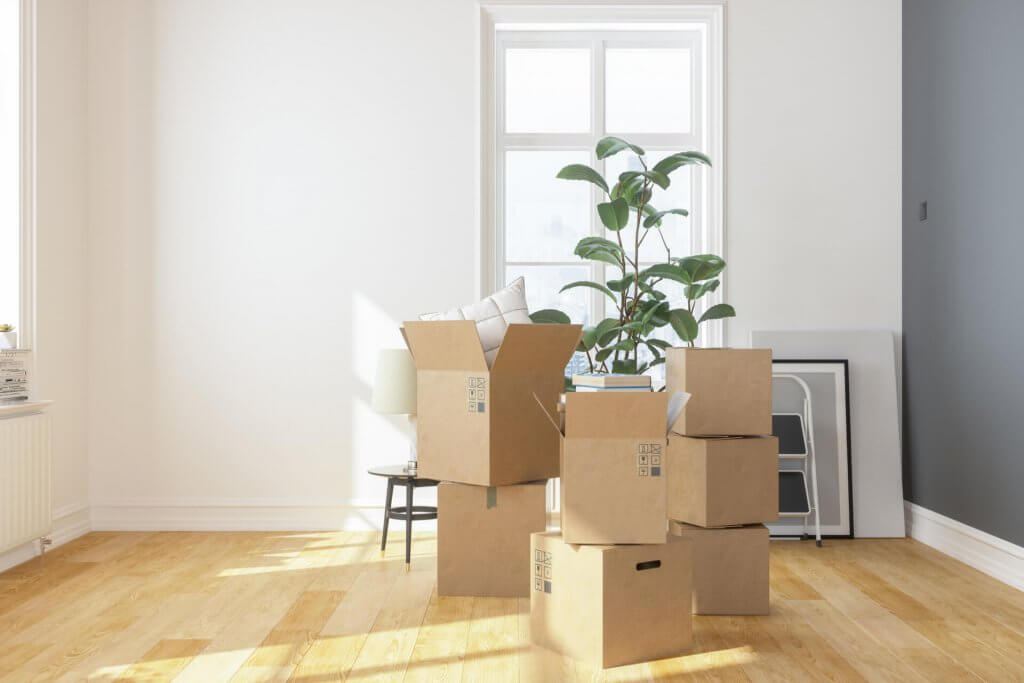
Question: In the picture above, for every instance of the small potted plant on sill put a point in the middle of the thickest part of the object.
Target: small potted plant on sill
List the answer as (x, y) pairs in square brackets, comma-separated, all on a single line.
[(8, 337), (642, 307)]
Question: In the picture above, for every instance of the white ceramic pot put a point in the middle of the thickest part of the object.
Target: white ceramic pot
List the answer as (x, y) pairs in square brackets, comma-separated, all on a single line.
[(9, 340)]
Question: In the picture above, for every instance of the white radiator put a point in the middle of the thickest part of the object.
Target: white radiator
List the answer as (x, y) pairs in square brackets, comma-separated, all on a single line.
[(25, 454)]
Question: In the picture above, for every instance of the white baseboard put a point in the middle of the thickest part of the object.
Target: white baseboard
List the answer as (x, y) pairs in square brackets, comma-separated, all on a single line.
[(243, 515), (998, 558), (69, 522)]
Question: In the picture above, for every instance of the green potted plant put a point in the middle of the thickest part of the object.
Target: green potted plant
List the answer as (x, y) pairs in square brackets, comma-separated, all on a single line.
[(641, 304)]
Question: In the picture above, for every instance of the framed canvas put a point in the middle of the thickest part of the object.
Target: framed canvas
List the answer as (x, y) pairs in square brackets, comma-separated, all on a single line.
[(826, 437)]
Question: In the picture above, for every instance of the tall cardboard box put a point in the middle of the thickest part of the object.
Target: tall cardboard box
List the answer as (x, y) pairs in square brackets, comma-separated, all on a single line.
[(480, 425), (612, 488), (722, 481), (483, 538), (610, 605), (730, 568), (731, 390)]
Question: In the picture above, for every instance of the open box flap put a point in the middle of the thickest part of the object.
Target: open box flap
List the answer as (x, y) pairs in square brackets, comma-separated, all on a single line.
[(551, 419), (538, 346), (611, 414), (445, 345)]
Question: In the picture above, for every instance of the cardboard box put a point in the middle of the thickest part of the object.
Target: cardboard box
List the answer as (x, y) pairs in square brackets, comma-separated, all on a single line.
[(611, 605), (722, 481), (483, 538), (612, 488), (730, 568), (476, 425), (731, 390)]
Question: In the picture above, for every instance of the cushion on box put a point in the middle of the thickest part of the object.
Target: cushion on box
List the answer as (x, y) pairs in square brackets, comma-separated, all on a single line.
[(493, 315)]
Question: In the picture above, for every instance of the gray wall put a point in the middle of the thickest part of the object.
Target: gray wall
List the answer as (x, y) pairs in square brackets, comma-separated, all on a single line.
[(963, 289)]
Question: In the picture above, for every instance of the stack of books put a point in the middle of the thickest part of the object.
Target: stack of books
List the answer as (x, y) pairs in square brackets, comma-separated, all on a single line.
[(611, 382), (13, 378)]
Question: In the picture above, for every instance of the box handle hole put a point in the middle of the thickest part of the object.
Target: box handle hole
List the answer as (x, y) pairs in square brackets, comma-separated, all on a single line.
[(653, 564)]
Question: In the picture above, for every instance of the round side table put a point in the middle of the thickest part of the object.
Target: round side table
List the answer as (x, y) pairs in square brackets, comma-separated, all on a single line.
[(397, 475)]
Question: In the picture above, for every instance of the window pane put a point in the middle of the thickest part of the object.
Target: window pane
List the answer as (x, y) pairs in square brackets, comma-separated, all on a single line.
[(675, 229), (547, 90), (544, 216), (647, 90), (9, 161), (543, 283)]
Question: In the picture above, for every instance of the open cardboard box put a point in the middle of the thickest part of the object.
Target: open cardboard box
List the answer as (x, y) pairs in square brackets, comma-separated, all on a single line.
[(609, 605), (479, 425), (483, 538), (731, 390), (612, 468), (722, 481), (730, 568)]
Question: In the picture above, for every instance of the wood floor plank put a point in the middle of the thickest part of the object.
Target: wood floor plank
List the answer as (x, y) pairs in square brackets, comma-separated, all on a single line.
[(386, 649), (164, 660), (325, 606)]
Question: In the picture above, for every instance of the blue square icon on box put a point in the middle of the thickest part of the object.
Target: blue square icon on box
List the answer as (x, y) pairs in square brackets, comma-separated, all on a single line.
[(480, 407), (655, 471)]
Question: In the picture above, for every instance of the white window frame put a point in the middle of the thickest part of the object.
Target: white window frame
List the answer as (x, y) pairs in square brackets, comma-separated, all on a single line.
[(26, 224), (504, 26)]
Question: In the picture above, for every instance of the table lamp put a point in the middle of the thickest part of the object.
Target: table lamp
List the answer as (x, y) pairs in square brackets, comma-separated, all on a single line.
[(394, 391)]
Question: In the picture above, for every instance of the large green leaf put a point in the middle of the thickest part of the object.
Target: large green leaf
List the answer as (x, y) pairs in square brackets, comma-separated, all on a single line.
[(696, 291), (625, 366), (621, 283), (718, 311), (600, 249), (660, 343), (602, 355), (683, 322), (593, 285), (674, 161), (667, 271), (583, 172), (608, 146), (651, 291), (607, 330), (549, 315), (654, 218), (627, 189), (702, 266), (656, 177), (614, 214)]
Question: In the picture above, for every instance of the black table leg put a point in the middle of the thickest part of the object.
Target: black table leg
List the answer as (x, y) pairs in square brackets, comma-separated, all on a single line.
[(408, 522), (387, 515)]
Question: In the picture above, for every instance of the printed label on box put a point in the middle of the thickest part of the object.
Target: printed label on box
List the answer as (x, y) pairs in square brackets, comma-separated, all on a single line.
[(542, 571), (648, 460), (476, 394)]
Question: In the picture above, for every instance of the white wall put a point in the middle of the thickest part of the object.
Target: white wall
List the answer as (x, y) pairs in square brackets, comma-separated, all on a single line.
[(61, 300), (275, 185), (814, 165)]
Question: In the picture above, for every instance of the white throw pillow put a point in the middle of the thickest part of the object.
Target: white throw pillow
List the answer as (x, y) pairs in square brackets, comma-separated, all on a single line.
[(493, 315)]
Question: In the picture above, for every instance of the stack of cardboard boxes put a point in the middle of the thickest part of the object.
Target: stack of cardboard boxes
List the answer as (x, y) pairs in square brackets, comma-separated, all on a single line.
[(723, 474), (613, 586), (480, 434)]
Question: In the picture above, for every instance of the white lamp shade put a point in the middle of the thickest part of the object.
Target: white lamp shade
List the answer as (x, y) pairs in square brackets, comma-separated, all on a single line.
[(394, 386)]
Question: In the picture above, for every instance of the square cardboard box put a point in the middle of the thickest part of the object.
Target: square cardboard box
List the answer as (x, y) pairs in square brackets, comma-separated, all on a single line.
[(612, 487), (730, 568), (480, 425), (731, 390), (610, 605), (483, 538), (723, 481)]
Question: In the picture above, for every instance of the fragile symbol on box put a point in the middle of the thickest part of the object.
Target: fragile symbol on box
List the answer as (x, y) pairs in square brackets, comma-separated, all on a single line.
[(476, 394), (648, 460), (542, 571)]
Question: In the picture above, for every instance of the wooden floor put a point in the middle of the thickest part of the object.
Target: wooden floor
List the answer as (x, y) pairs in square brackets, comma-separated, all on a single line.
[(325, 606)]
